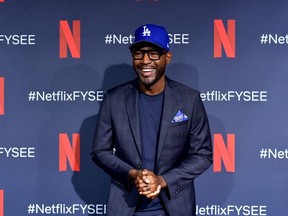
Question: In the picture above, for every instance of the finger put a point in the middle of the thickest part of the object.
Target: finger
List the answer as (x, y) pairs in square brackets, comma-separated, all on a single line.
[(155, 193), (152, 195), (138, 181), (144, 193), (146, 180), (152, 188), (144, 172), (151, 177), (143, 186), (145, 190), (150, 173)]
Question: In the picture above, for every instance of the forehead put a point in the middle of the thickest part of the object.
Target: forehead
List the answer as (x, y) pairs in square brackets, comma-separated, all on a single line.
[(147, 49)]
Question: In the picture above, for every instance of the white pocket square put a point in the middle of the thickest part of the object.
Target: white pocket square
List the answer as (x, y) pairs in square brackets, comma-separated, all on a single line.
[(179, 117)]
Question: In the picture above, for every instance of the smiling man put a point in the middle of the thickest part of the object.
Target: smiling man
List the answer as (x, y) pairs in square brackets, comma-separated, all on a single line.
[(152, 136)]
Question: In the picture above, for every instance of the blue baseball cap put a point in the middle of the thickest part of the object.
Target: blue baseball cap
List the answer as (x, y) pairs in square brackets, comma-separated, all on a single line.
[(153, 34)]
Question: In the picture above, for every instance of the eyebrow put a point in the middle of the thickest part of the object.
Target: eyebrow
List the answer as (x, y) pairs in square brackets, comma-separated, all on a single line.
[(148, 49)]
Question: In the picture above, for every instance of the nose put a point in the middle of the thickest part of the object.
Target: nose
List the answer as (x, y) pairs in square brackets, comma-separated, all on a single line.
[(146, 59)]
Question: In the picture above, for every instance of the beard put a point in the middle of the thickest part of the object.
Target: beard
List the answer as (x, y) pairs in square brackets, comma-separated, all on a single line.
[(150, 80)]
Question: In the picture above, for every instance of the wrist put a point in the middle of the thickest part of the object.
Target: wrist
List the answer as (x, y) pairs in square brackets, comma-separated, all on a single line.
[(133, 173), (162, 181)]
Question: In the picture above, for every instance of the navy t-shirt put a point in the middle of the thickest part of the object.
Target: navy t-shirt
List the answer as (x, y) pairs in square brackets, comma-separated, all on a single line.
[(150, 112)]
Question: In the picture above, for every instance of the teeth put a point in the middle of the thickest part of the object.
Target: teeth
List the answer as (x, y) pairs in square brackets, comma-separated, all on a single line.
[(147, 69)]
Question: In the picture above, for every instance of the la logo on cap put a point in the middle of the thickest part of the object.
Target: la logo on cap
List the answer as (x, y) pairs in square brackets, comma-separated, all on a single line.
[(146, 31)]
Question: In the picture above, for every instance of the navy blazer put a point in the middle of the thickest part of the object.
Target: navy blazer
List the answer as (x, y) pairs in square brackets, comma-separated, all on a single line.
[(184, 148)]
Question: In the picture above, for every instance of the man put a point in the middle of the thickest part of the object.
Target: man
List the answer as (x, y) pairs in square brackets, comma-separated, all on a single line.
[(152, 136)]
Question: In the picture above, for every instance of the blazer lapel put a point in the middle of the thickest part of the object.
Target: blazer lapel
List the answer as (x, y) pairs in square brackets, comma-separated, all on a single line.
[(131, 98), (168, 112)]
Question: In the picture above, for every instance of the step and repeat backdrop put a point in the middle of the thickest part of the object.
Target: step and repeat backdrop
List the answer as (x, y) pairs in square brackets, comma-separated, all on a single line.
[(57, 59)]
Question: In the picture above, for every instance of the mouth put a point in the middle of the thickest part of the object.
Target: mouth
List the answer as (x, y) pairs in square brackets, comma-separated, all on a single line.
[(147, 71)]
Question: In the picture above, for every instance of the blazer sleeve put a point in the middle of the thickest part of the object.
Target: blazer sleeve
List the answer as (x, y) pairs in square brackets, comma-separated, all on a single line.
[(103, 147), (199, 157)]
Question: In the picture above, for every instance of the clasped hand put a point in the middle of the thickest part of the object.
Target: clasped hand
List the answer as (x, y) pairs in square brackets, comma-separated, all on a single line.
[(147, 184)]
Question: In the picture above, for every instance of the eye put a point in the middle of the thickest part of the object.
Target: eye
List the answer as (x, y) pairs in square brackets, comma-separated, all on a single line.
[(137, 53), (153, 53)]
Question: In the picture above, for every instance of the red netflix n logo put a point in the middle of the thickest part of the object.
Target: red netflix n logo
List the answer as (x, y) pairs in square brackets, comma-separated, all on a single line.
[(1, 202), (67, 39), (227, 39), (221, 152), (1, 95), (69, 152)]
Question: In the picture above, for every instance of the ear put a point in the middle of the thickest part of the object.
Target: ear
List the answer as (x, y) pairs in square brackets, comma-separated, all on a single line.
[(168, 57)]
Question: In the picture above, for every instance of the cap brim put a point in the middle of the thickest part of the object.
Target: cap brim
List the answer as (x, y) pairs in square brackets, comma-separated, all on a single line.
[(143, 43)]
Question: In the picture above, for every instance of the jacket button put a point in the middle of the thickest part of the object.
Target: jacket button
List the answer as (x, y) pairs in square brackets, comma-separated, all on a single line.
[(138, 166)]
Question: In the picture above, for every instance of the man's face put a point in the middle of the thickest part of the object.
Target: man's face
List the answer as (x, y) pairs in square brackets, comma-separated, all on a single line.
[(150, 71)]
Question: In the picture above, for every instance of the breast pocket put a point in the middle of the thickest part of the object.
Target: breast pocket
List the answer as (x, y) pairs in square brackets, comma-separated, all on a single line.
[(178, 124), (178, 135)]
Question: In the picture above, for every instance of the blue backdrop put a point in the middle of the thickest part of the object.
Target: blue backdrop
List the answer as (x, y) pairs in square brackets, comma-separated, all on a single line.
[(44, 96)]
